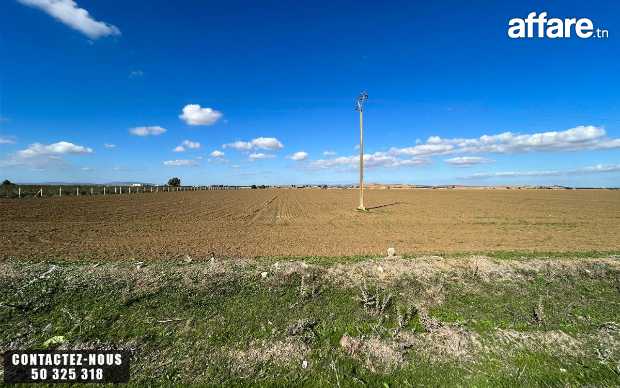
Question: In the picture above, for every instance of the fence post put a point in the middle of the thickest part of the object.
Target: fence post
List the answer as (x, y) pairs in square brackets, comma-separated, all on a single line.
[(77, 191), (41, 192), (60, 191), (129, 189), (103, 190), (19, 192), (91, 191)]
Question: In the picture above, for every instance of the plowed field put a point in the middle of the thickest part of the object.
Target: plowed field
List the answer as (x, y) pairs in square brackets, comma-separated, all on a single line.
[(249, 223)]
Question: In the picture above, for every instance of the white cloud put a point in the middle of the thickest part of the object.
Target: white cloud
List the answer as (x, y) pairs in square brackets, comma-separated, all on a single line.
[(267, 143), (187, 144), (239, 145), (147, 131), (259, 143), (466, 161), (109, 145), (573, 139), (134, 74), (600, 168), (192, 145), (59, 148), (68, 12), (299, 156), (180, 163), (329, 153), (7, 140), (596, 169), (194, 114), (377, 159), (40, 156), (87, 169), (424, 150), (258, 156), (217, 154)]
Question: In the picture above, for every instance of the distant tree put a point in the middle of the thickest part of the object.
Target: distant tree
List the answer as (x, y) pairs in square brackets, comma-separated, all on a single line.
[(174, 182), (7, 182), (254, 187)]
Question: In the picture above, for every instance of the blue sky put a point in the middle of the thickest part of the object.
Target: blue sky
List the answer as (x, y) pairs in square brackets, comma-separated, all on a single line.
[(144, 91)]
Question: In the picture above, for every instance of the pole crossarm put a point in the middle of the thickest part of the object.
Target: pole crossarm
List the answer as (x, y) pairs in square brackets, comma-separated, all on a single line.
[(361, 101)]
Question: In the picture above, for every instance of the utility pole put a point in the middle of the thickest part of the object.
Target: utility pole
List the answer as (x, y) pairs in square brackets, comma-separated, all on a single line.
[(359, 106)]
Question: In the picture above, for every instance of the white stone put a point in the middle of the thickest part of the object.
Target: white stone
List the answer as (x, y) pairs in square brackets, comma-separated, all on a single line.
[(391, 252), (264, 274)]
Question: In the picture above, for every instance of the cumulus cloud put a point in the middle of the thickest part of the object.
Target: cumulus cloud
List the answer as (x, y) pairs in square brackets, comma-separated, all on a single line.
[(573, 139), (299, 156), (192, 145), (187, 145), (59, 148), (39, 155), (258, 156), (239, 145), (377, 159), (329, 153), (267, 143), (147, 131), (109, 145), (596, 169), (68, 13), (466, 161), (180, 163), (259, 143), (194, 114), (217, 154)]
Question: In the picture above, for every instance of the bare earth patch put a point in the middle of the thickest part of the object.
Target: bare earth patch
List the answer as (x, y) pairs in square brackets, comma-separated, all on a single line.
[(447, 343), (281, 353), (554, 342), (377, 354)]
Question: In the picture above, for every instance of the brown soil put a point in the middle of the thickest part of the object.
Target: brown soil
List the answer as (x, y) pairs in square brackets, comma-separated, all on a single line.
[(249, 223)]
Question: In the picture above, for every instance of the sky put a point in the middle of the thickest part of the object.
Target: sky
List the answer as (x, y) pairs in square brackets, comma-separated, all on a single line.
[(242, 92)]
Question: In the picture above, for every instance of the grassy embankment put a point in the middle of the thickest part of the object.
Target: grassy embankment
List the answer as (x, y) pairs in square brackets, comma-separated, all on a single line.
[(473, 320)]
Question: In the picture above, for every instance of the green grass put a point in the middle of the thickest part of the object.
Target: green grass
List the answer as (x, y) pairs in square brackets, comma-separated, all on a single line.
[(189, 323)]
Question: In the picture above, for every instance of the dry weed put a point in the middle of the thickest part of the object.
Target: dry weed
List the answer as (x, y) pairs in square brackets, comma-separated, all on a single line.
[(281, 353), (378, 355)]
